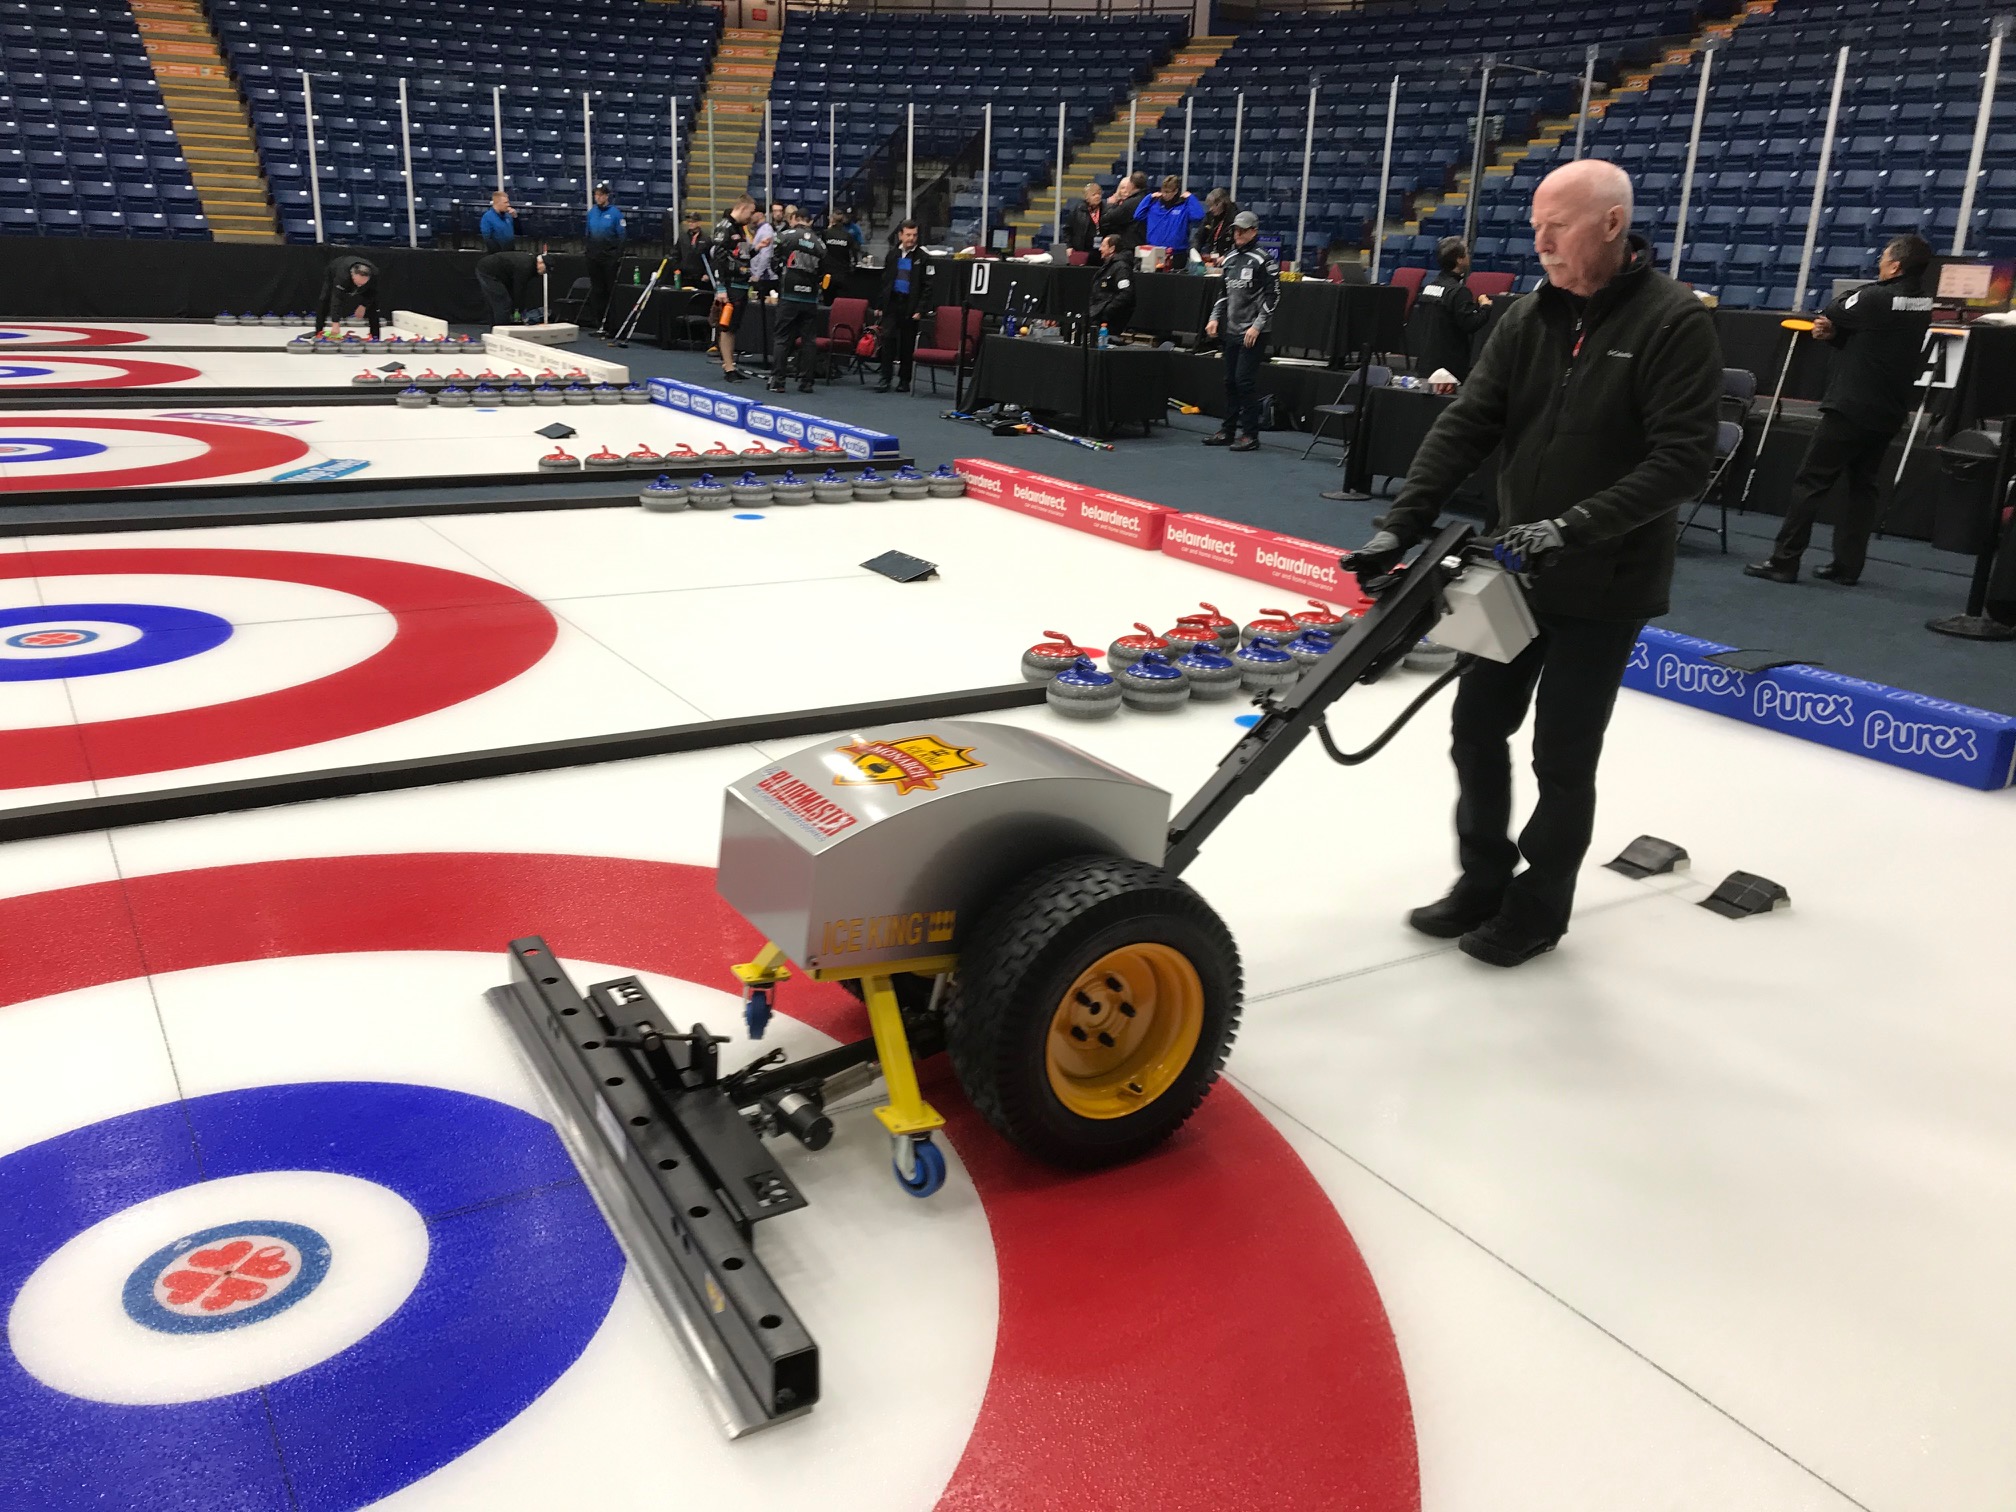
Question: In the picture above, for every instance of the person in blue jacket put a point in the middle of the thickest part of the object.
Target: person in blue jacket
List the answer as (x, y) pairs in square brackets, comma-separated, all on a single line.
[(605, 250), (499, 226), (1169, 216)]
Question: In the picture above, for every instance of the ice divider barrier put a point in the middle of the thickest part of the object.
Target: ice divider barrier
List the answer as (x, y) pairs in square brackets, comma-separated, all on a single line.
[(772, 422)]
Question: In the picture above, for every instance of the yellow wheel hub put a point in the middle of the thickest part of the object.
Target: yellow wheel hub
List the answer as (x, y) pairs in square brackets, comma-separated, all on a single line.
[(1124, 1031)]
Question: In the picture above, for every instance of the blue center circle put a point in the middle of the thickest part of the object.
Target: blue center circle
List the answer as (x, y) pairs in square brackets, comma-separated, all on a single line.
[(22, 370), (520, 1273), (48, 449), (226, 1277), (55, 635), (167, 634)]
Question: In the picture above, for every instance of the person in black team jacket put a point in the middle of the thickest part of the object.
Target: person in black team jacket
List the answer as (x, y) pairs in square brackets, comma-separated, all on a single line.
[(798, 259), (1878, 336), (350, 292), (1447, 315), (728, 255), (1112, 291), (1238, 323), (902, 304), (1599, 392), (1081, 222)]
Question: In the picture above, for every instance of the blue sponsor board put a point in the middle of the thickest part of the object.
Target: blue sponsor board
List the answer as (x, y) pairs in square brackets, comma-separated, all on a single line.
[(1969, 746), (773, 423), (761, 420), (672, 393)]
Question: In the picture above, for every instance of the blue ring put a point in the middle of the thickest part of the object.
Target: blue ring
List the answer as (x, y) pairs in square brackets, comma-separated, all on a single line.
[(144, 1308), (520, 1273), (18, 370), (55, 449), (167, 634)]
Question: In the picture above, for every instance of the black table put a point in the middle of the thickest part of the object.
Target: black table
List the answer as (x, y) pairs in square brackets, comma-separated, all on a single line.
[(1099, 388), (1395, 423)]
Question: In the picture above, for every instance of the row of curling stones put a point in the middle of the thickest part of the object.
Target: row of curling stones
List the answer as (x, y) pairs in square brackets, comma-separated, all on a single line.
[(1155, 684), (415, 396), (1207, 626), (562, 460), (299, 317), (668, 495), (353, 344)]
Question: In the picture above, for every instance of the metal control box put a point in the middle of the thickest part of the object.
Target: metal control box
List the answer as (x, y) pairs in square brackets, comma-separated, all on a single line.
[(884, 846), (1486, 614)]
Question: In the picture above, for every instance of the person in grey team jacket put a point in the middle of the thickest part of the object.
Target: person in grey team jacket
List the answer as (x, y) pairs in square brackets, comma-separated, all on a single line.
[(1239, 322), (1599, 392)]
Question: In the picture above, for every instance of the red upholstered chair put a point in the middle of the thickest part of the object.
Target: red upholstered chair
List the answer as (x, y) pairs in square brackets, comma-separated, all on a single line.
[(1411, 280), (846, 320), (1490, 285), (1076, 258), (945, 350)]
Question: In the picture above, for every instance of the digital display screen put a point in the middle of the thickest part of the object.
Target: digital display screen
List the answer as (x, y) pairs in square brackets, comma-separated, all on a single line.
[(1979, 285)]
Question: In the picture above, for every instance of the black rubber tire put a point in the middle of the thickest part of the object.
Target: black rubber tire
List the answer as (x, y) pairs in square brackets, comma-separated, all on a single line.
[(1022, 957)]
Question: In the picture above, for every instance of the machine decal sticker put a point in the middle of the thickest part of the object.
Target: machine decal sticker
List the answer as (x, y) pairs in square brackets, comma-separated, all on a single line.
[(802, 802), (913, 763)]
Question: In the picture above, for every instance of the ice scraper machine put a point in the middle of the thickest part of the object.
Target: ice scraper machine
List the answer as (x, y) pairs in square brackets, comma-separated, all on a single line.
[(988, 892)]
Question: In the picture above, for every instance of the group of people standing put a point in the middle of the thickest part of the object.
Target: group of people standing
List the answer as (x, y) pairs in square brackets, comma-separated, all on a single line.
[(1172, 217), (511, 279), (786, 265)]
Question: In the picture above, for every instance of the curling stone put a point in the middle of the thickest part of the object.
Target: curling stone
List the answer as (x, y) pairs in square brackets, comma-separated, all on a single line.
[(559, 460), (909, 484), (791, 489), (368, 379), (489, 377), (460, 377), (710, 493), (1264, 666), (871, 486), (830, 449), (756, 449), (246, 318), (413, 397), (1154, 685), (636, 393), (224, 317), (643, 456), (1278, 623), (1129, 649), (1213, 675), (945, 483), (453, 396), (301, 344), (607, 393), (682, 453), (720, 449), (751, 492), (547, 394), (604, 459), (517, 394), (1048, 657), (429, 379), (376, 346), (831, 488), (485, 394), (1190, 632), (1318, 617), (1082, 691), (272, 318), (1228, 633), (1429, 656), (663, 495), (1310, 647), (578, 393)]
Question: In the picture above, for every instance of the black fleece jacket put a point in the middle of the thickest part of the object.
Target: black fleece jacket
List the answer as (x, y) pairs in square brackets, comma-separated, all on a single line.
[(1603, 414)]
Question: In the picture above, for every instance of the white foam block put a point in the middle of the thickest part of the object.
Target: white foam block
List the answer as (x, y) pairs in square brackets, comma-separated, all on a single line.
[(553, 333), (509, 342), (414, 324)]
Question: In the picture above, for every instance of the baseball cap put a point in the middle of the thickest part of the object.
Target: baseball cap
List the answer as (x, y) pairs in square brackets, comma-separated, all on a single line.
[(1246, 220)]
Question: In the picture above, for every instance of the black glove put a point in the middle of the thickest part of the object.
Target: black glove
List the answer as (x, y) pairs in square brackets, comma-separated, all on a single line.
[(1524, 548), (1375, 558)]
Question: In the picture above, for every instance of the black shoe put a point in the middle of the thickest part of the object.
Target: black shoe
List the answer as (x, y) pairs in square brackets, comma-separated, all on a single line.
[(774, 387), (1246, 443), (1830, 572), (1219, 438), (734, 375), (1773, 571), (1500, 942), (882, 387), (1457, 914), (805, 387), (903, 387)]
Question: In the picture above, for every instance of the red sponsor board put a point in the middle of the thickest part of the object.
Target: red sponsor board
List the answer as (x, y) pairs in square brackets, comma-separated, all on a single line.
[(1133, 522), (1307, 567)]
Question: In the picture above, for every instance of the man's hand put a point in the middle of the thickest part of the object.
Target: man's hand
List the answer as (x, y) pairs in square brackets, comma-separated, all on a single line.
[(1252, 335), (1375, 558), (1211, 328), (1823, 329), (1484, 300), (1524, 548)]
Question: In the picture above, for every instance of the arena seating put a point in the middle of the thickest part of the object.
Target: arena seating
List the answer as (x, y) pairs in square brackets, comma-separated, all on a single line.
[(85, 142), (1024, 65), (453, 52), (1900, 151), (1434, 48)]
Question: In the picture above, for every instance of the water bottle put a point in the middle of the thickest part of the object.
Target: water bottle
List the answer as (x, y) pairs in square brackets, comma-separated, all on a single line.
[(1104, 339)]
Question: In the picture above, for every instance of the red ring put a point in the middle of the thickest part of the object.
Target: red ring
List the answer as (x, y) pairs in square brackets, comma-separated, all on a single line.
[(457, 636), (138, 374), (242, 448), (1196, 1330), (85, 336)]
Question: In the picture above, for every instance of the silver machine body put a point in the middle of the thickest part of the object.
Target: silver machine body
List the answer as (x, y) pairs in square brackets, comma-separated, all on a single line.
[(884, 846), (1485, 613)]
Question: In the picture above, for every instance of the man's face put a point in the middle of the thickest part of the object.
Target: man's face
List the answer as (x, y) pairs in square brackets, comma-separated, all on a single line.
[(601, 199), (359, 278), (1171, 195), (500, 202), (1093, 195), (1244, 236), (741, 214), (1576, 237), (1888, 267), (908, 239)]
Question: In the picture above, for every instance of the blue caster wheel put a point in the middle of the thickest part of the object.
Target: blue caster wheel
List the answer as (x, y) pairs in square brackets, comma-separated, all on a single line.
[(919, 1165), (756, 1011)]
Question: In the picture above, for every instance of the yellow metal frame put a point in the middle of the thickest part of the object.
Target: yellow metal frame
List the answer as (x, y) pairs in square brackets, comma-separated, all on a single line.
[(767, 970)]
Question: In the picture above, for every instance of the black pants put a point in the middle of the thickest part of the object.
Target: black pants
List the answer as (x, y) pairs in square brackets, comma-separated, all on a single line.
[(1839, 447), (507, 285), (1242, 381), (602, 264), (898, 340), (797, 325), (1578, 665)]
